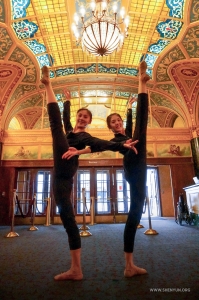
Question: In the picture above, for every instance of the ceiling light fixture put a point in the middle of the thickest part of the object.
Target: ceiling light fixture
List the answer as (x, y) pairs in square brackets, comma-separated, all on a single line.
[(101, 34)]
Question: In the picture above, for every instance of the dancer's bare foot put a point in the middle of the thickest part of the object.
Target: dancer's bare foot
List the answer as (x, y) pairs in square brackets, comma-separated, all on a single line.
[(45, 75), (133, 271), (69, 275), (142, 67), (145, 77), (142, 72)]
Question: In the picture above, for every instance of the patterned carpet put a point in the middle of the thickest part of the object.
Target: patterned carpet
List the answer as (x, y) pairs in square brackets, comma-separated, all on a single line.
[(30, 261)]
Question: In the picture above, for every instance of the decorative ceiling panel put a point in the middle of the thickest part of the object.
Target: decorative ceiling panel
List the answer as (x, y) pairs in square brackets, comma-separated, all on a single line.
[(45, 27)]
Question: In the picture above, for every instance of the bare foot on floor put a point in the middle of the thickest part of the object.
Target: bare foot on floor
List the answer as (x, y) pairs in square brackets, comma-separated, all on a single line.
[(45, 75), (133, 271), (69, 275)]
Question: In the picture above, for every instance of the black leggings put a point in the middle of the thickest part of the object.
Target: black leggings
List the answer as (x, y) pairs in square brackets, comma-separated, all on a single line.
[(135, 173), (64, 170)]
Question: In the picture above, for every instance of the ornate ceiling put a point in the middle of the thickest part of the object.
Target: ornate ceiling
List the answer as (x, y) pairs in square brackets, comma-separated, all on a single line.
[(34, 33)]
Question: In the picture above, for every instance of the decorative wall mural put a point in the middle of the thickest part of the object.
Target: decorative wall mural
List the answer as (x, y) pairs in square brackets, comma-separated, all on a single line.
[(20, 152), (46, 152), (100, 155), (169, 150), (150, 150)]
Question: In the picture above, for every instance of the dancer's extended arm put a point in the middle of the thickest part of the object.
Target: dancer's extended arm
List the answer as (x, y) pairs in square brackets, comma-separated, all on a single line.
[(100, 146)]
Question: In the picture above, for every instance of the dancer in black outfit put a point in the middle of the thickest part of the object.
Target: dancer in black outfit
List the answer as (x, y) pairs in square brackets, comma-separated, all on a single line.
[(65, 169), (134, 167)]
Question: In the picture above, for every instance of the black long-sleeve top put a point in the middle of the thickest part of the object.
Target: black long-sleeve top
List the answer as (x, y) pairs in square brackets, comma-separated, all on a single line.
[(80, 140), (140, 124), (119, 137)]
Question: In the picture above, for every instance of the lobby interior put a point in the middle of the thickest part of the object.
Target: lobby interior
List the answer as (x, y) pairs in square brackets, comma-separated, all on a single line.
[(37, 33)]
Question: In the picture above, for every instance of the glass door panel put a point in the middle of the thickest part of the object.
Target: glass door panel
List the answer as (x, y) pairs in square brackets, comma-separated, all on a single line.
[(43, 181), (29, 183), (153, 192), (111, 191), (23, 192), (83, 181), (103, 205), (123, 192)]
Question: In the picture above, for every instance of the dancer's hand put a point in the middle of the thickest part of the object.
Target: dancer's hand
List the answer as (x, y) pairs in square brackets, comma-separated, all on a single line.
[(67, 94), (131, 145), (131, 101), (72, 151), (128, 141)]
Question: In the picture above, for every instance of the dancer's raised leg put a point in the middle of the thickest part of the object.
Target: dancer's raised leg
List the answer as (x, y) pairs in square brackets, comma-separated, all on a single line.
[(130, 268), (45, 79), (62, 182)]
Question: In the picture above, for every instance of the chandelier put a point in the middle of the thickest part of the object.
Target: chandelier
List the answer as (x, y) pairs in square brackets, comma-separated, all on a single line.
[(101, 34)]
